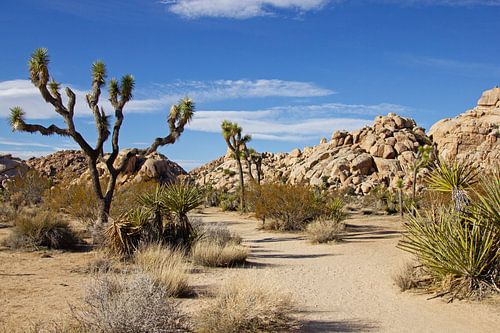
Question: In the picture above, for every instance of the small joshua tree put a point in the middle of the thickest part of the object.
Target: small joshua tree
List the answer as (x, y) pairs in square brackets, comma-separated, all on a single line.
[(236, 142), (252, 157), (120, 93), (423, 157)]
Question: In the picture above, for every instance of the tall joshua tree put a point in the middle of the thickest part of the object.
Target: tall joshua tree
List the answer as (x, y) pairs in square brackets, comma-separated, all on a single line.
[(236, 142), (120, 93)]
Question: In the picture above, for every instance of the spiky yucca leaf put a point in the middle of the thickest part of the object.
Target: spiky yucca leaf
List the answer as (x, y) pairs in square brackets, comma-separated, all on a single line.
[(449, 176), (186, 106), (230, 129), (16, 118), (113, 89), (99, 72), (54, 87), (127, 86), (452, 249), (486, 206), (39, 66), (181, 198)]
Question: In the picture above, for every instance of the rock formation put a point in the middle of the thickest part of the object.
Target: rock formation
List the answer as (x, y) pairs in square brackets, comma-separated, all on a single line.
[(61, 165), (10, 167), (474, 135), (355, 161)]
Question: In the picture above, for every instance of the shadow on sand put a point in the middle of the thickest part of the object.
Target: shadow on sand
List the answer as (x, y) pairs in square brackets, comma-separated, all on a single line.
[(337, 326)]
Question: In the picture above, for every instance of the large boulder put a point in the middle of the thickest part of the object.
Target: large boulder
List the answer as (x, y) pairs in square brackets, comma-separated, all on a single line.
[(472, 136), (10, 167)]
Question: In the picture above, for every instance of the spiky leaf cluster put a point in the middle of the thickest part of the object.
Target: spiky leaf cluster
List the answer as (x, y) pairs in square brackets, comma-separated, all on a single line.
[(39, 66), (99, 72), (16, 118), (124, 89)]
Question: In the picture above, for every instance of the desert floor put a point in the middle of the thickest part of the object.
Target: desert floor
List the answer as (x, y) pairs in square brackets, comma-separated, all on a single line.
[(343, 287)]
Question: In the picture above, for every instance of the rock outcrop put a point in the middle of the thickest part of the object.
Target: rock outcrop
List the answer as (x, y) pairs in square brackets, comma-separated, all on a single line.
[(356, 162), (10, 167), (60, 166), (473, 136)]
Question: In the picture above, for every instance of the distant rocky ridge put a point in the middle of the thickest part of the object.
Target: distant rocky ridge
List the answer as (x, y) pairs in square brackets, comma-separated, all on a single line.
[(355, 161), (381, 154)]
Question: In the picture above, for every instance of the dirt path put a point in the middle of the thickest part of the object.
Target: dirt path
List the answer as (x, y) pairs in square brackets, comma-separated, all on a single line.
[(348, 287)]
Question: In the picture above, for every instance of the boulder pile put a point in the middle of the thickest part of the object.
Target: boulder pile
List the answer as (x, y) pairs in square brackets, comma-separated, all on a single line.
[(10, 167), (351, 161), (61, 165), (473, 136)]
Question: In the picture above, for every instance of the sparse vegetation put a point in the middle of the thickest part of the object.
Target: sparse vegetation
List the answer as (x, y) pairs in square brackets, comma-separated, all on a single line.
[(325, 230), (214, 254), (42, 229), (26, 189), (167, 267), (248, 306), (133, 303)]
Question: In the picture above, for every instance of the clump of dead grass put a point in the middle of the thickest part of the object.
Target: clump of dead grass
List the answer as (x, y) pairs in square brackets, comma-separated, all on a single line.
[(248, 305), (325, 230), (167, 267), (213, 254)]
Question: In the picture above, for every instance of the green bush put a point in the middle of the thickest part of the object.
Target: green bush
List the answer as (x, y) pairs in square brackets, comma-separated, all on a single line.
[(42, 229), (229, 202)]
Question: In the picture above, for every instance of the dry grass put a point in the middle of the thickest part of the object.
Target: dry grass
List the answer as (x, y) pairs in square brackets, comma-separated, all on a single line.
[(129, 303), (167, 267), (411, 276), (42, 229), (248, 305), (324, 231), (213, 254), (217, 233)]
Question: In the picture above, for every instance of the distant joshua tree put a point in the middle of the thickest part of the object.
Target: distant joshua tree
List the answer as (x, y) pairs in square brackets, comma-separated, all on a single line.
[(236, 142), (252, 156), (120, 92)]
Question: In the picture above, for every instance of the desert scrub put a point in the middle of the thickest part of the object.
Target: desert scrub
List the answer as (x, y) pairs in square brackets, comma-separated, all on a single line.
[(411, 276), (248, 305), (167, 267), (26, 189), (129, 303), (214, 254), (217, 233), (460, 255), (42, 229), (325, 230), (285, 207)]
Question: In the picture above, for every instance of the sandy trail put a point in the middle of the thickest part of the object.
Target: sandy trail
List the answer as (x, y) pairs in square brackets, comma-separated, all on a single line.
[(348, 287)]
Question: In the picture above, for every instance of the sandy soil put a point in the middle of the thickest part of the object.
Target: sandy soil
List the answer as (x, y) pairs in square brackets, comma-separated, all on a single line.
[(344, 287)]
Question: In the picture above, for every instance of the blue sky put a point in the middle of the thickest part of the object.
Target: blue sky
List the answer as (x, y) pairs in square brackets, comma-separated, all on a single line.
[(288, 71)]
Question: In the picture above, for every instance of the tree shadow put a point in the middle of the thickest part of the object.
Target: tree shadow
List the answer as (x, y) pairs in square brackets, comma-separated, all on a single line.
[(277, 239), (292, 256), (337, 326)]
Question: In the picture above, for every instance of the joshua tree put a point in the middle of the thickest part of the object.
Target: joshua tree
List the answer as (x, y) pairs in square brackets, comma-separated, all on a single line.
[(253, 157), (120, 93), (236, 143)]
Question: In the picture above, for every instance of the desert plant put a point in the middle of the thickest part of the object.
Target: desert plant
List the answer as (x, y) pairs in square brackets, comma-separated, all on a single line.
[(228, 202), (123, 235), (248, 305), (214, 254), (120, 93), (460, 255), (167, 267), (325, 230), (334, 210), (26, 189), (217, 233), (456, 178), (286, 206), (42, 229), (236, 142), (411, 276), (129, 303), (422, 158), (485, 207)]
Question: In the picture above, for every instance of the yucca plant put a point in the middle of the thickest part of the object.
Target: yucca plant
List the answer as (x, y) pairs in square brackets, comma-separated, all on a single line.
[(180, 198), (455, 177), (123, 235), (460, 255), (486, 206)]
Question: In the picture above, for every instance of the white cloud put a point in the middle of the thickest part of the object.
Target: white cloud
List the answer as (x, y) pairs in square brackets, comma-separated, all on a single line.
[(24, 154), (238, 9), (295, 123), (23, 93)]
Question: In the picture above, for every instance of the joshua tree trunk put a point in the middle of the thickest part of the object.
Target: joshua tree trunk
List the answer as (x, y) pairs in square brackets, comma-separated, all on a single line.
[(242, 185), (400, 192)]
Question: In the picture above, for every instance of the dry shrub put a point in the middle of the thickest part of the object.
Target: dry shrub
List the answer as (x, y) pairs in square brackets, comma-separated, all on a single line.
[(167, 267), (26, 189), (411, 276), (42, 229), (248, 305), (217, 233), (129, 303), (76, 200), (126, 196), (289, 207), (325, 230), (7, 212), (213, 254)]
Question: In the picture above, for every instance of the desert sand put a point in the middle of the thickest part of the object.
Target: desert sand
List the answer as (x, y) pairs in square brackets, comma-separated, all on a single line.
[(342, 287)]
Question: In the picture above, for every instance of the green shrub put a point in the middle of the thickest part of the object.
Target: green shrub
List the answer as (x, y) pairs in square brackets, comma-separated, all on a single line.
[(460, 255), (285, 206), (229, 202), (42, 229)]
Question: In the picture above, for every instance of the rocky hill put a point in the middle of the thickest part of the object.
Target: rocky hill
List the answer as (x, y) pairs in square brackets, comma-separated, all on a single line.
[(474, 135), (9, 167), (356, 162)]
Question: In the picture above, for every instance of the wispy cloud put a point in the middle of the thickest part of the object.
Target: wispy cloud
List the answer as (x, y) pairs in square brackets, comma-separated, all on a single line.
[(22, 93), (462, 67), (239, 9), (26, 154), (295, 123)]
